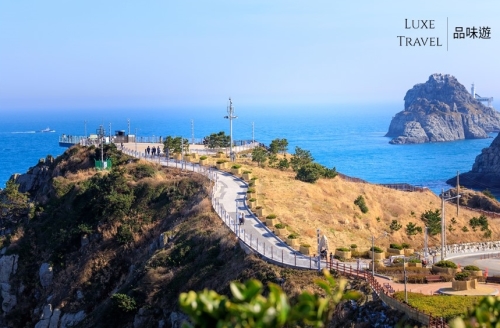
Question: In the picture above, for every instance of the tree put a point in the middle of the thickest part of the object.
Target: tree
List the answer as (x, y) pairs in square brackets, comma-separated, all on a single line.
[(259, 155), (395, 225), (283, 164), (433, 221), (175, 145), (310, 172), (484, 314), (278, 146), (217, 140), (249, 308), (300, 158), (412, 229), (13, 204)]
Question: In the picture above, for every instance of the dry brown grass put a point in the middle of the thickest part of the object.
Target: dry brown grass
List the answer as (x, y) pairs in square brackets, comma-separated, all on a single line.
[(328, 205)]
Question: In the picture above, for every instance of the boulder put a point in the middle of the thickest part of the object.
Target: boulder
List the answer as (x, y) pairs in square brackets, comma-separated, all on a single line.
[(8, 266), (441, 109), (71, 319), (46, 274)]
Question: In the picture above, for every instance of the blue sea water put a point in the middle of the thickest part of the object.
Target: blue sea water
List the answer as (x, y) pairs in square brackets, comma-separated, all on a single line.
[(350, 138)]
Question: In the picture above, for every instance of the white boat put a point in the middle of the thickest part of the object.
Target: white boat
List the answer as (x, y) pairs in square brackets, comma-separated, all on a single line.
[(47, 130)]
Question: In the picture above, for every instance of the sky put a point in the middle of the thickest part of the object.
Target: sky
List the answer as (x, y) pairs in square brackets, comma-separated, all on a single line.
[(161, 54)]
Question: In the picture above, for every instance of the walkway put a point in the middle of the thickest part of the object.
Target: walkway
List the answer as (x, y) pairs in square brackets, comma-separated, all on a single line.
[(228, 200)]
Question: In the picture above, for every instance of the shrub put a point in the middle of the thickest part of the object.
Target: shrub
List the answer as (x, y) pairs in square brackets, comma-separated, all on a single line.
[(124, 235), (309, 173), (360, 201), (279, 226), (221, 161), (462, 276), (446, 264), (271, 216), (395, 225), (433, 221), (376, 249), (396, 246), (293, 235), (414, 260), (258, 207), (471, 268), (124, 302), (252, 200), (143, 171), (405, 245), (488, 193), (247, 172), (354, 246), (203, 157), (253, 178), (343, 249), (251, 191), (465, 229), (236, 166), (305, 245), (251, 184)]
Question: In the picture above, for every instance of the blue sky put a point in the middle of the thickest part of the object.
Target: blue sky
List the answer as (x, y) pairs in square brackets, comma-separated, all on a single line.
[(159, 54)]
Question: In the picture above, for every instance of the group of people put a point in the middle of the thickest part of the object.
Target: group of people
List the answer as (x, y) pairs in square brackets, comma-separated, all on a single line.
[(153, 151)]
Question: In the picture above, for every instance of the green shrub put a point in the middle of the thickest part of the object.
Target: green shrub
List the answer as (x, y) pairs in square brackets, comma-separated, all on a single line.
[(305, 245), (462, 276), (354, 246), (143, 171), (236, 166), (446, 264), (471, 268), (221, 161), (247, 172), (414, 260), (395, 225), (124, 234), (360, 201), (258, 207), (376, 249), (343, 249), (280, 226), (405, 245), (488, 193), (250, 191), (124, 302), (396, 246), (254, 178), (293, 235), (252, 200), (271, 216), (203, 157)]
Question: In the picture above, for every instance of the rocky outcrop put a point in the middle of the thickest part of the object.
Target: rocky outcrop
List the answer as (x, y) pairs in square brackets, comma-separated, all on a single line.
[(46, 275), (441, 109), (53, 319), (8, 266), (485, 173)]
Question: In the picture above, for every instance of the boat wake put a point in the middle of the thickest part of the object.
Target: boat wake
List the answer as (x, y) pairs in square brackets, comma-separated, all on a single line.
[(24, 132)]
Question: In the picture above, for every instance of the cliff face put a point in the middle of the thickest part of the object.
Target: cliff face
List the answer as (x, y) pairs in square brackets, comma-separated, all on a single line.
[(441, 109), (485, 173)]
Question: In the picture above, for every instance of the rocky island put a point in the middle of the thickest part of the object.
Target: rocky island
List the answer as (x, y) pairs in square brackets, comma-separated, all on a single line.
[(485, 173), (442, 109)]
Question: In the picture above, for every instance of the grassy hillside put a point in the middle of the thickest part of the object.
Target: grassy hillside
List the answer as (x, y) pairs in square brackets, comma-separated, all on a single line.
[(328, 205)]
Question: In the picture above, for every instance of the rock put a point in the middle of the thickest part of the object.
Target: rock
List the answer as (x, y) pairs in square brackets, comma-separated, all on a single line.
[(163, 240), (72, 319), (45, 317), (46, 275), (177, 319), (442, 109), (54, 319), (8, 266), (485, 172), (9, 302)]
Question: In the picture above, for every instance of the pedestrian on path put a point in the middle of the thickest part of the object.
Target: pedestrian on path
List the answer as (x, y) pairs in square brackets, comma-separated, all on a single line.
[(148, 150), (242, 218)]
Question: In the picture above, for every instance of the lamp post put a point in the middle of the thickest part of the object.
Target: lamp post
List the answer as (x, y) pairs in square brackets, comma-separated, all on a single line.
[(405, 278), (373, 252), (230, 116), (443, 223)]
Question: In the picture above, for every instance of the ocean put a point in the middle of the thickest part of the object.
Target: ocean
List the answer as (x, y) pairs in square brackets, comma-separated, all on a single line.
[(349, 137)]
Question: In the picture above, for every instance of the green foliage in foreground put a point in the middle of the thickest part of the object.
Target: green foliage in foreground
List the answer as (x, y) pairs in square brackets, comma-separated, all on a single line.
[(445, 306), (486, 314), (360, 201), (249, 308)]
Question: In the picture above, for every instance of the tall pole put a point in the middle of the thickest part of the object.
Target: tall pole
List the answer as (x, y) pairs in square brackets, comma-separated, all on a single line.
[(192, 132), (443, 226), (230, 116), (458, 191), (426, 247), (253, 132), (373, 255), (405, 278)]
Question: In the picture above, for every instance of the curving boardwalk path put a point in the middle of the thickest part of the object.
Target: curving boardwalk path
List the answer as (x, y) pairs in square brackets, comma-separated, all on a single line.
[(228, 200)]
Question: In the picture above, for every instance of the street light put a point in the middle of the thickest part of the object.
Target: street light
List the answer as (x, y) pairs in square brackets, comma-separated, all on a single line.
[(373, 251), (443, 223), (230, 116)]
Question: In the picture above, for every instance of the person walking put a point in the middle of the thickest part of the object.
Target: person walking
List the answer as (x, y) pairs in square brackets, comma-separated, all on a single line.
[(158, 151), (153, 151), (148, 150)]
